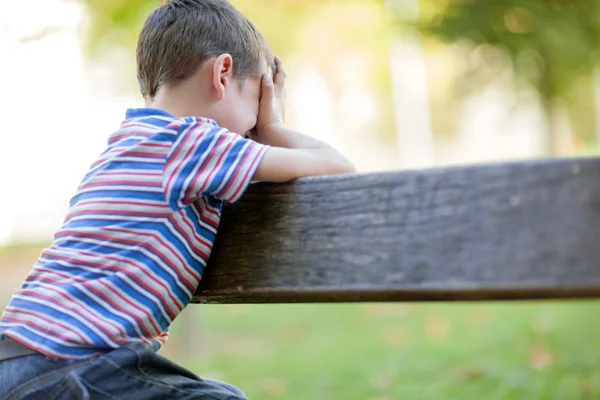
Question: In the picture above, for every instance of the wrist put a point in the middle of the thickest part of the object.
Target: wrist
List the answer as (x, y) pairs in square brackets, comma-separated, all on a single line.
[(268, 131)]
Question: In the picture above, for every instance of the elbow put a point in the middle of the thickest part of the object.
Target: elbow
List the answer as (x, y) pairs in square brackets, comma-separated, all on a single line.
[(345, 167), (351, 168)]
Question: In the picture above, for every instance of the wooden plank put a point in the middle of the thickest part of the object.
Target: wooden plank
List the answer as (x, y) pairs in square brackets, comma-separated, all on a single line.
[(525, 230)]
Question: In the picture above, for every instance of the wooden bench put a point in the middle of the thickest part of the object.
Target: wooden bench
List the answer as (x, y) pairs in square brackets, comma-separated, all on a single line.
[(523, 230)]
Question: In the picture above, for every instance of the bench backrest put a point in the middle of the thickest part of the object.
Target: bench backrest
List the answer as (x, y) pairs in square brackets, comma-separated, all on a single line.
[(524, 230)]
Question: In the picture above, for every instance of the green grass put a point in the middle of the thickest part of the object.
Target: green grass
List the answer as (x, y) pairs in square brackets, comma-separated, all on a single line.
[(396, 351)]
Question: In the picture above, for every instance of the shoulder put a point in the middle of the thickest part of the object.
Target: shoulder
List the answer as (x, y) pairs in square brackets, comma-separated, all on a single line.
[(187, 123)]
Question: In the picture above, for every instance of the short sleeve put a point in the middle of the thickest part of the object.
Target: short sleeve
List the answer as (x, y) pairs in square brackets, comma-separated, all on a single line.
[(209, 160)]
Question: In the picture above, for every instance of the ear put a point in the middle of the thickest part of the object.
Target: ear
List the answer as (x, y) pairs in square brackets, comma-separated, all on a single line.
[(222, 74)]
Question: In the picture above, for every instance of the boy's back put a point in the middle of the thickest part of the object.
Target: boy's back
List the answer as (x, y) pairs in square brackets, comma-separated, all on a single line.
[(136, 239), (97, 305)]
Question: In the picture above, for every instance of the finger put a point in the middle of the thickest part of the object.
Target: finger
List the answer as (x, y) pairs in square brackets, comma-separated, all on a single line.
[(266, 86), (280, 73), (266, 93)]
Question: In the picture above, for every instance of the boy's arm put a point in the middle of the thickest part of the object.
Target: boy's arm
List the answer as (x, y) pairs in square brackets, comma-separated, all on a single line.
[(304, 156), (292, 154)]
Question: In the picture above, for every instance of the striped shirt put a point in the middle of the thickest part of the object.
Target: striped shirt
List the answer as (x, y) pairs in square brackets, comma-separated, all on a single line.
[(136, 239)]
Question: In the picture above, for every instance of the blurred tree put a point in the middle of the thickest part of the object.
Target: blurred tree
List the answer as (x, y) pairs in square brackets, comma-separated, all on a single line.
[(117, 22), (317, 29), (552, 46)]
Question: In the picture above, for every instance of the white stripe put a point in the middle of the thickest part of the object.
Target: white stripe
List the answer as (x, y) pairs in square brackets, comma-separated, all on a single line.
[(148, 236), (130, 188), (140, 121), (141, 267), (171, 228), (158, 151), (97, 178), (143, 202), (46, 349), (67, 298), (148, 239), (68, 264), (19, 312), (209, 164), (175, 165), (123, 304), (49, 274), (233, 167), (197, 208), (155, 160), (158, 302), (242, 166), (73, 315)]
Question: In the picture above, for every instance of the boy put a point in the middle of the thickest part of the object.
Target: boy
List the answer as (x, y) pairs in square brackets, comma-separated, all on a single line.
[(97, 305)]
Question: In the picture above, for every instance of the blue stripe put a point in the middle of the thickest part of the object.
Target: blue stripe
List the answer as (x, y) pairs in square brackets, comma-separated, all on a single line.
[(64, 317), (175, 257)]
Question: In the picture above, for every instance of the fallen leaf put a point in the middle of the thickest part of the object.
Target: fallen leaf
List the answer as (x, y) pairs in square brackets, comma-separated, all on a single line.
[(540, 358), (586, 389), (394, 337), (293, 331), (437, 328), (386, 310), (542, 325), (384, 382), (238, 309), (469, 374), (274, 387), (479, 317)]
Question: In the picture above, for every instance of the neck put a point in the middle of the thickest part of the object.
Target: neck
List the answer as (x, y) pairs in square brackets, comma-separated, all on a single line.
[(179, 104)]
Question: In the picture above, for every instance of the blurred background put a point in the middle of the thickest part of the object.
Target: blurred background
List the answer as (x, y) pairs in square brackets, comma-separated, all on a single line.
[(395, 85)]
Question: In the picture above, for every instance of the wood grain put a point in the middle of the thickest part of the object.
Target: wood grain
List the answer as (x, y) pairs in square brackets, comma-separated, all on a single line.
[(525, 230)]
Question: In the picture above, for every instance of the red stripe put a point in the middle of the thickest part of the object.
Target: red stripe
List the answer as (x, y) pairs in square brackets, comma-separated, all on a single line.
[(140, 173), (174, 155), (171, 313), (206, 182), (159, 145), (136, 316), (191, 240), (75, 310), (41, 328), (115, 138), (246, 177), (236, 171), (122, 182), (168, 215), (142, 154), (175, 253), (203, 216), (51, 354), (86, 283), (123, 202), (117, 212), (210, 209), (55, 322), (108, 300), (33, 276)]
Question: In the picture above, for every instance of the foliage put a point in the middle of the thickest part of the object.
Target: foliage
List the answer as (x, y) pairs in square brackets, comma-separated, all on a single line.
[(117, 23), (318, 30), (551, 45)]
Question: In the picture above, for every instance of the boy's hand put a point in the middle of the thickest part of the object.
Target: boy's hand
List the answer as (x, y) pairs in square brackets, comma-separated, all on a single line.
[(271, 112), (292, 154)]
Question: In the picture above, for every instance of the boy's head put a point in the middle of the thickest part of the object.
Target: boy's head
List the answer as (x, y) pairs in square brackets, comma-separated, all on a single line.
[(210, 49)]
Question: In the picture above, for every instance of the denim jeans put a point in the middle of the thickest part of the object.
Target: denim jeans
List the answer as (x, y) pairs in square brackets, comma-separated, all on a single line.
[(131, 372)]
